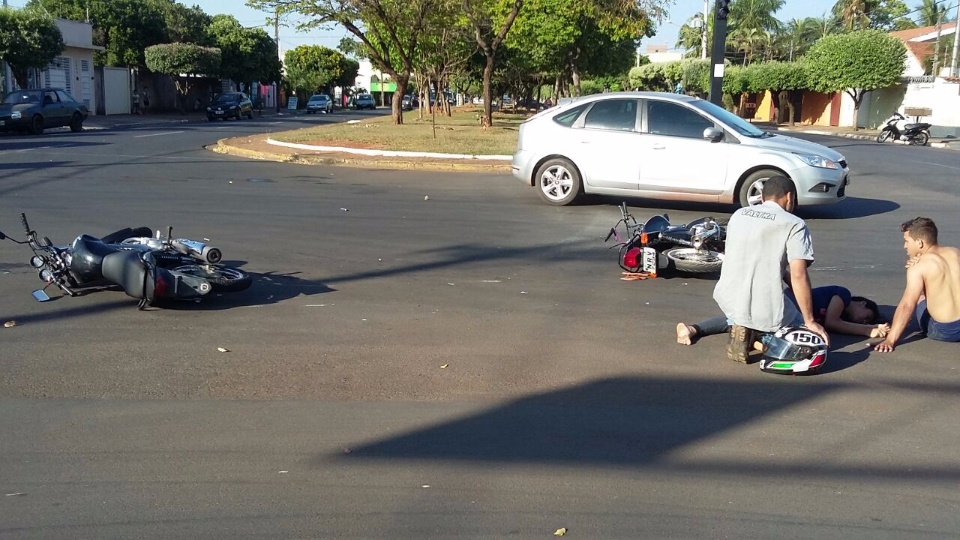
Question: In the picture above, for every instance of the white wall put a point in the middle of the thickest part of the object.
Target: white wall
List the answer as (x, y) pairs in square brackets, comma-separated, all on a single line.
[(940, 95)]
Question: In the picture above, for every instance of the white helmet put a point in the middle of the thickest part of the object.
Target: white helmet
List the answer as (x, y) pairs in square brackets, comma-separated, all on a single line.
[(793, 350)]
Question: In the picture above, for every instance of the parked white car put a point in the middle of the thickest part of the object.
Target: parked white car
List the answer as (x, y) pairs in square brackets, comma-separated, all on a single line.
[(667, 146)]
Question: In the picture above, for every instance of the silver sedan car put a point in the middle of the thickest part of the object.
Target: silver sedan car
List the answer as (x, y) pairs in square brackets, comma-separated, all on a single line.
[(667, 146)]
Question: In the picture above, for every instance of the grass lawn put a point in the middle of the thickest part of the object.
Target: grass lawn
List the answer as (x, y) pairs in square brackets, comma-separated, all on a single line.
[(457, 134)]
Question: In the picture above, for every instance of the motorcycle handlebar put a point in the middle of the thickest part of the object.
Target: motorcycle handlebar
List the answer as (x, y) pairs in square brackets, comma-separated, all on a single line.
[(23, 220)]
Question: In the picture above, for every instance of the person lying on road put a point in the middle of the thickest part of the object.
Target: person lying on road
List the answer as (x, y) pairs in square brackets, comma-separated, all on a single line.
[(833, 307)]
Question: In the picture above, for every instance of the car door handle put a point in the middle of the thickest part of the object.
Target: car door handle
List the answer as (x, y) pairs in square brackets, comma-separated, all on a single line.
[(585, 141), (658, 147)]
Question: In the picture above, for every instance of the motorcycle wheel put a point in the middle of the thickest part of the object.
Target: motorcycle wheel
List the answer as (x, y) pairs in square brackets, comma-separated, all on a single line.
[(883, 136), (704, 261), (221, 278), (920, 139)]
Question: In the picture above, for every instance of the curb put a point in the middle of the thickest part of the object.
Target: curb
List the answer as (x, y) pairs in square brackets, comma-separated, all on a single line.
[(223, 147), (389, 153)]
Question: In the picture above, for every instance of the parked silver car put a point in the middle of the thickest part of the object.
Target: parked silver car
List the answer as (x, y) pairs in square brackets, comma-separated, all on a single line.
[(666, 146), (319, 103)]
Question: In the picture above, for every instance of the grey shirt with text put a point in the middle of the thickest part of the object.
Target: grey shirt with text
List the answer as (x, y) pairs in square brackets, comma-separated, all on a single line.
[(761, 242)]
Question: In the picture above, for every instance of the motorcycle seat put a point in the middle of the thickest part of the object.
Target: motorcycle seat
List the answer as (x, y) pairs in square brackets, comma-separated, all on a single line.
[(921, 125)]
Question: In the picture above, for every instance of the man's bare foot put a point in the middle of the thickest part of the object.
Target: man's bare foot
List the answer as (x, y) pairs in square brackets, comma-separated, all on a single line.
[(685, 334)]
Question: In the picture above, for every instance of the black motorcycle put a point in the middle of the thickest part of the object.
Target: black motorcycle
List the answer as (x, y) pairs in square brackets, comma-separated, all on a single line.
[(146, 268), (655, 245), (897, 128)]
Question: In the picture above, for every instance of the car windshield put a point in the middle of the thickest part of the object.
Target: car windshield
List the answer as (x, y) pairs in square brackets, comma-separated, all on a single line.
[(228, 98), (738, 124), (16, 98), (318, 98)]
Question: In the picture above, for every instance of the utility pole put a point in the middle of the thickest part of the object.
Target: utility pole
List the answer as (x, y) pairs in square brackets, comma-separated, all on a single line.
[(6, 69), (936, 46), (703, 31), (719, 47), (276, 36), (956, 43)]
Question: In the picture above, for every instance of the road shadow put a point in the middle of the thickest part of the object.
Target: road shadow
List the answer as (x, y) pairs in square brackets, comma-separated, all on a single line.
[(267, 288), (851, 208), (652, 207), (637, 422)]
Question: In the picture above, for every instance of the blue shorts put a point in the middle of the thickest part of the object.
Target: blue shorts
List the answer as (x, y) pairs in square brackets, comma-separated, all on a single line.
[(934, 329)]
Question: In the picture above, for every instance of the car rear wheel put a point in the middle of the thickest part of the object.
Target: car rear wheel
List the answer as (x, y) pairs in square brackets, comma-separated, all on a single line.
[(558, 182), (751, 191), (76, 123), (36, 125)]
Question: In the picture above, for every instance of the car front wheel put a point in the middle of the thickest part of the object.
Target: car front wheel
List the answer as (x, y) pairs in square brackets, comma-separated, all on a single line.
[(558, 182), (36, 125), (751, 191), (76, 123)]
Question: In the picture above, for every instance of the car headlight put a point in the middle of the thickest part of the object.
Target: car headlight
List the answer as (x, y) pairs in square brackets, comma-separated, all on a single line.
[(814, 160), (15, 115), (232, 107), (209, 109)]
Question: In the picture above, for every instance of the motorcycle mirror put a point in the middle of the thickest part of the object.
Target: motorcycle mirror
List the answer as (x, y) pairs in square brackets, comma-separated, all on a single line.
[(40, 296), (2, 236)]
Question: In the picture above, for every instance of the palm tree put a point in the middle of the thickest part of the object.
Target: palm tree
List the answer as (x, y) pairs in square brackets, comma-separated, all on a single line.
[(796, 37), (824, 25), (933, 11), (854, 14), (755, 14), (690, 36)]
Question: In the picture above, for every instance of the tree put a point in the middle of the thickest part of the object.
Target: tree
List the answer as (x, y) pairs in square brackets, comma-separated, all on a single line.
[(182, 62), (186, 24), (310, 68), (123, 27), (878, 14), (933, 12), (246, 54), (491, 21), (389, 30), (29, 39), (856, 63), (782, 79)]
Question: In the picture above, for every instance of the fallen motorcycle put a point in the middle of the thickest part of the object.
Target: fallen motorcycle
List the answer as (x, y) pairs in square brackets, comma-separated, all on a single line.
[(147, 268), (655, 245)]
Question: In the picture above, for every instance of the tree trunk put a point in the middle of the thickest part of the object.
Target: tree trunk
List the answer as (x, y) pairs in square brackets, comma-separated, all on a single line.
[(20, 76), (487, 119), (857, 96), (396, 112), (575, 77)]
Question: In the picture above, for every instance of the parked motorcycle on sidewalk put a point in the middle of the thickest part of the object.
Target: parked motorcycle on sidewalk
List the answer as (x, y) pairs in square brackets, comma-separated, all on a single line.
[(655, 245), (899, 129), (148, 268)]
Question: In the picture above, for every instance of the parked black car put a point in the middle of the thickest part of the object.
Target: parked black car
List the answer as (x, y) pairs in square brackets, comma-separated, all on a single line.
[(230, 104), (36, 110)]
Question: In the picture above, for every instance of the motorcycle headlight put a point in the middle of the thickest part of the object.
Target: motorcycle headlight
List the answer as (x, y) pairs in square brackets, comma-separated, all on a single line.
[(814, 160), (15, 115)]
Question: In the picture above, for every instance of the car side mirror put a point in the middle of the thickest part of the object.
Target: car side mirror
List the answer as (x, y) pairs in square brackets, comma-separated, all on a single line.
[(712, 134), (2, 236)]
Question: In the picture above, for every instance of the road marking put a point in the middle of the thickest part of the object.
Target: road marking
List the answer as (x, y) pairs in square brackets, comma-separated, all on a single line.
[(157, 134), (22, 150), (934, 164)]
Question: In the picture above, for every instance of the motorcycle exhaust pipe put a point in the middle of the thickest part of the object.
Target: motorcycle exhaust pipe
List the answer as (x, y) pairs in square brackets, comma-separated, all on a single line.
[(198, 250)]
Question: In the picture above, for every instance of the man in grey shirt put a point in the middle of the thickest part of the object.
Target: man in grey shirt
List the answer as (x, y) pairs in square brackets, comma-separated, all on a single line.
[(762, 243)]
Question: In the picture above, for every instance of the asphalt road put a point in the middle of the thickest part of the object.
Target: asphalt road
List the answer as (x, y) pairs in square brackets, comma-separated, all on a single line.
[(439, 355)]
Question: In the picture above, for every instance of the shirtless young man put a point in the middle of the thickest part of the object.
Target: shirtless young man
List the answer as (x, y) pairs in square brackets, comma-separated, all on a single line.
[(933, 286)]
